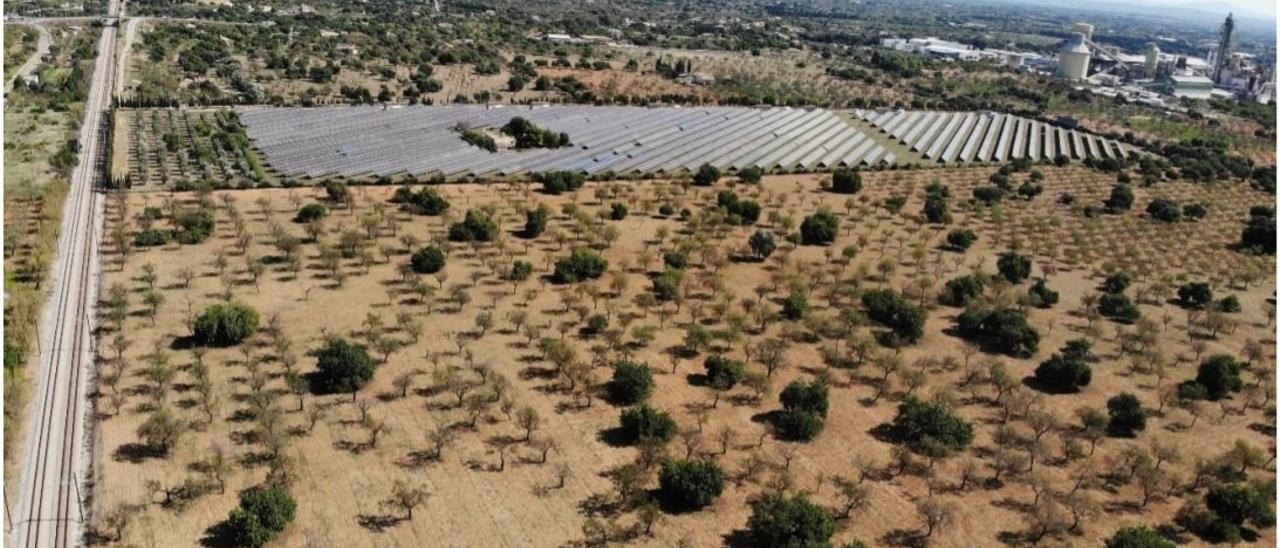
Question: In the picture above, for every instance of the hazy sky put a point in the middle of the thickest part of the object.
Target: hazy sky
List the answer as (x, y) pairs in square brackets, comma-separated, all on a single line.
[(1250, 7)]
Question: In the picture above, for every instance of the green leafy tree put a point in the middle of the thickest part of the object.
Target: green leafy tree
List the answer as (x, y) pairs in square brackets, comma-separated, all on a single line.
[(923, 425), (819, 228), (310, 213), (642, 424), (781, 521), (1127, 417), (690, 484), (1137, 537), (632, 383), (262, 515), (846, 181), (706, 175), (1014, 267), (580, 265), (226, 324), (343, 367), (428, 260)]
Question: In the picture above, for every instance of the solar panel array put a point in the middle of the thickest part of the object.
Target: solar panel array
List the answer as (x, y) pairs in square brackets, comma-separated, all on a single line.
[(948, 137), (421, 140)]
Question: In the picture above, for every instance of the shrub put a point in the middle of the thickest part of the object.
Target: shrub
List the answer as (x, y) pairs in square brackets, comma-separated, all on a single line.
[(678, 261), (1236, 503), (428, 260), (740, 211), (556, 182), (690, 484), (1118, 307), (666, 286), (596, 324), (262, 515), (795, 306), (1064, 373), (632, 383), (1116, 283), (1121, 199), (1137, 537), (905, 320), (1003, 330), (959, 291), (804, 408), (343, 367), (1220, 376), (1195, 295), (580, 265), (762, 244), (1127, 415), (643, 423), (819, 228), (936, 209), (1229, 304), (226, 324), (789, 522), (921, 425), (426, 201), (520, 271), (193, 226), (723, 372), (153, 237), (336, 191), (1164, 209), (1259, 234), (706, 175), (846, 181), (987, 194), (617, 211), (310, 212), (961, 239), (1041, 295), (750, 174), (1014, 267), (535, 221), (475, 227)]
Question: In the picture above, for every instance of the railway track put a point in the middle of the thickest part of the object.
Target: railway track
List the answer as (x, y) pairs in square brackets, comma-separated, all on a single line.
[(57, 452)]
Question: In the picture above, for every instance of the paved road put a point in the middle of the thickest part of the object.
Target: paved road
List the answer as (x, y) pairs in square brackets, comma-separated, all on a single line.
[(58, 452), (43, 40)]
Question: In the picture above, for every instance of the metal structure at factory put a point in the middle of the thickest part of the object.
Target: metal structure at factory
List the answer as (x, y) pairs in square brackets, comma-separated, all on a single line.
[(425, 140)]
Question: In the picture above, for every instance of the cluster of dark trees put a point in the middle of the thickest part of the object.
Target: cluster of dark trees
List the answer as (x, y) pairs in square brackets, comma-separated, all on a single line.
[(528, 135), (476, 226), (1259, 234), (582, 264), (424, 201)]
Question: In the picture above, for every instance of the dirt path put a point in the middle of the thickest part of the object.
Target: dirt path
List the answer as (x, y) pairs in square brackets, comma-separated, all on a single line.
[(29, 67)]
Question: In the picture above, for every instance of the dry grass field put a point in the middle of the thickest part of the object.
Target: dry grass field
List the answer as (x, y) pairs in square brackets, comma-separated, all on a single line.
[(459, 339)]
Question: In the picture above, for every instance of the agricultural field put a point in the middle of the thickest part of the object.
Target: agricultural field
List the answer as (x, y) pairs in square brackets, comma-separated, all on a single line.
[(165, 148), (450, 364)]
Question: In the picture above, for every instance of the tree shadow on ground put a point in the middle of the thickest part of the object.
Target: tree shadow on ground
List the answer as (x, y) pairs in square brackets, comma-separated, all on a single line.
[(378, 522)]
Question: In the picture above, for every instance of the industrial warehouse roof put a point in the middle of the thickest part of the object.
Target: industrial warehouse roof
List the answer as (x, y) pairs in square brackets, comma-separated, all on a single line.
[(422, 140)]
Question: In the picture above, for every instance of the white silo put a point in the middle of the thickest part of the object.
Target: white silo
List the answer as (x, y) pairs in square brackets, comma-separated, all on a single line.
[(1073, 58), (1083, 28), (1153, 59)]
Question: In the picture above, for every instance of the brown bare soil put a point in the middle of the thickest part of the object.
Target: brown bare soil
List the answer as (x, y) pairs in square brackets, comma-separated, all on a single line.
[(341, 479)]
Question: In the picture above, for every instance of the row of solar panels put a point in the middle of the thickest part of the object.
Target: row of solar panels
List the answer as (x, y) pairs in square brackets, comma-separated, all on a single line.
[(420, 140), (987, 136)]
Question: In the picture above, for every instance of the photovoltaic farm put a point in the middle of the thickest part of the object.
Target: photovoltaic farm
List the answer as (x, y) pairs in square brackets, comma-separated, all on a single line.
[(950, 137), (425, 140)]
